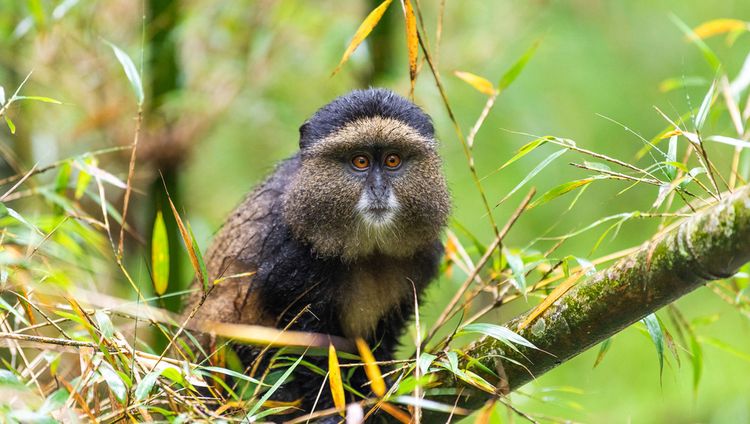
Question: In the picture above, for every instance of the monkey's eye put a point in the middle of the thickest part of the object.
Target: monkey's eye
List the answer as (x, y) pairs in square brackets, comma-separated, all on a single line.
[(360, 162), (392, 161)]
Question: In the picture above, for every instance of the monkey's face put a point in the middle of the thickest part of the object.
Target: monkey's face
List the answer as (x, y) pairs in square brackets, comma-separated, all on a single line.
[(375, 185)]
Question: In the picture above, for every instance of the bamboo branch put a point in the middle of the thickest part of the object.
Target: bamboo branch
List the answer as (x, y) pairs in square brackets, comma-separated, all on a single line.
[(711, 245)]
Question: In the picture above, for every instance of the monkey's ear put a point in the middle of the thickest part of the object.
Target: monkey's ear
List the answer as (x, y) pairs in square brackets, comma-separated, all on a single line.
[(304, 129)]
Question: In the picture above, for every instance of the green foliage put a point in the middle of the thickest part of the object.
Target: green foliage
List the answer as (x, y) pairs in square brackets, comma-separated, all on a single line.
[(250, 74)]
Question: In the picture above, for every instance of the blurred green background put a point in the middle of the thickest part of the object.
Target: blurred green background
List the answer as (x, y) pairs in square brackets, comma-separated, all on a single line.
[(248, 73)]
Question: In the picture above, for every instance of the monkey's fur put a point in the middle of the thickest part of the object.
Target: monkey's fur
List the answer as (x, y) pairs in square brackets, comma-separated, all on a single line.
[(350, 246)]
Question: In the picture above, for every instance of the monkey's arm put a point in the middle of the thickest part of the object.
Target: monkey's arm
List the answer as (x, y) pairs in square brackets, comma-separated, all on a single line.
[(236, 250)]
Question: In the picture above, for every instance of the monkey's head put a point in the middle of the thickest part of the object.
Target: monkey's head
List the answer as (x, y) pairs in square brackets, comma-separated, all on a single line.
[(370, 178)]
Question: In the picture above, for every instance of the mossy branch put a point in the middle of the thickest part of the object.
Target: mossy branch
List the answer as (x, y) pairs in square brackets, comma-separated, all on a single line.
[(711, 245)]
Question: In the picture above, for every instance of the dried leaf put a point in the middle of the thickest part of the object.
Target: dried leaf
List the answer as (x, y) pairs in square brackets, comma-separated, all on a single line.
[(377, 384), (334, 379), (480, 84), (550, 299), (412, 42), (719, 26), (191, 247), (362, 32)]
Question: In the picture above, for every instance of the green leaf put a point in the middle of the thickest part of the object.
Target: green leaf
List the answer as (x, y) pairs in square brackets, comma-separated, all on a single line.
[(143, 388), (424, 362), (39, 99), (543, 164), (498, 332), (700, 118), (54, 401), (130, 71), (233, 374), (84, 178), (507, 79), (105, 324), (515, 262), (114, 382), (672, 158), (199, 258), (562, 189), (5, 305), (697, 361), (160, 255), (273, 388), (708, 54), (174, 375), (603, 349), (526, 149), (11, 125), (7, 378), (657, 336)]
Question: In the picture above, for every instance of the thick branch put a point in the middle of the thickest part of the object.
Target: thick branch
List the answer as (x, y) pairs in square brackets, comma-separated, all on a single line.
[(711, 245)]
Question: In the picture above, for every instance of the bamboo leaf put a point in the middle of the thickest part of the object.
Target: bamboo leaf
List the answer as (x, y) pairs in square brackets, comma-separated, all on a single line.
[(657, 336), (143, 388), (526, 149), (562, 189), (708, 54), (603, 349), (697, 361), (104, 323), (412, 42), (160, 255), (719, 26), (198, 266), (334, 380), (515, 262), (507, 79), (543, 164), (377, 384), (114, 382), (11, 125), (480, 84), (498, 332), (424, 362), (362, 32), (700, 118), (39, 99), (273, 388), (130, 71)]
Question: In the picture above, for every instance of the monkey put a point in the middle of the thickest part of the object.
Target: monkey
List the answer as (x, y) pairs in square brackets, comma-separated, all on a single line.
[(340, 237)]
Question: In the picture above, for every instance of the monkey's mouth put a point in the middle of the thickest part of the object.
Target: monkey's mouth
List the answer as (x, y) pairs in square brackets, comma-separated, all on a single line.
[(378, 211), (378, 215)]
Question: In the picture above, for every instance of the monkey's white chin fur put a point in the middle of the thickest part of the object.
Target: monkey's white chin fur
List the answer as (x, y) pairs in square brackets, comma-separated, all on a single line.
[(377, 216)]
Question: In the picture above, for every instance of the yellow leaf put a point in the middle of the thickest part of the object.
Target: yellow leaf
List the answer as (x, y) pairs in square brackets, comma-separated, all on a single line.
[(363, 31), (377, 384), (550, 299), (719, 26), (412, 42), (480, 84), (160, 255), (670, 134), (193, 251), (396, 413), (334, 379)]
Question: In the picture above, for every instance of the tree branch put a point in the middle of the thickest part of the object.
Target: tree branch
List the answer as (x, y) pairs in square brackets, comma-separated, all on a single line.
[(711, 245)]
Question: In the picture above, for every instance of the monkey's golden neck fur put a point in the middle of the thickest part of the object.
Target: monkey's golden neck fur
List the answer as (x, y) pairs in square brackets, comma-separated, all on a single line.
[(326, 210)]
